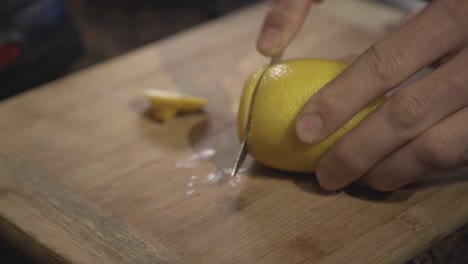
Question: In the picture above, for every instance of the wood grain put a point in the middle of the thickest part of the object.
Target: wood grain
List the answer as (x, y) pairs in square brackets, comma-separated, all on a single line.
[(56, 226), (90, 133)]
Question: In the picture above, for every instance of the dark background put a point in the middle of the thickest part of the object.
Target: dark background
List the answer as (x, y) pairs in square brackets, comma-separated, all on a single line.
[(58, 37), (112, 27)]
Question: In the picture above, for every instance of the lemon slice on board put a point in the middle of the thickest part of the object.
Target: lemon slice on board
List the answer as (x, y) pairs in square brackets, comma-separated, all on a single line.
[(166, 105)]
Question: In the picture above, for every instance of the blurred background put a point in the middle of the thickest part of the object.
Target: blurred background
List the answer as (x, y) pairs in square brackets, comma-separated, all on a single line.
[(41, 40)]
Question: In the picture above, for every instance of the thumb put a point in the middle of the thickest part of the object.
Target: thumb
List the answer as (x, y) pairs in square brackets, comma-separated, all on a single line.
[(281, 25)]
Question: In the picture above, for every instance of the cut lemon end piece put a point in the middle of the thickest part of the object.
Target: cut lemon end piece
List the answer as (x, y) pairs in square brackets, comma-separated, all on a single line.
[(167, 104)]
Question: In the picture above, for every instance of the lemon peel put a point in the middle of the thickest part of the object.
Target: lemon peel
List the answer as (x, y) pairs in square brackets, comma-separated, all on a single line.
[(284, 89)]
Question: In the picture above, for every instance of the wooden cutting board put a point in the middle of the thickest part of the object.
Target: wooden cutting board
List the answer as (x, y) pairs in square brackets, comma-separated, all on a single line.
[(87, 177)]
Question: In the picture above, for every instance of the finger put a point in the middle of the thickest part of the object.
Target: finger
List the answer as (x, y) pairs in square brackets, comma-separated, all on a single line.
[(433, 33), (281, 24), (401, 118), (348, 59), (409, 16), (442, 148), (446, 58)]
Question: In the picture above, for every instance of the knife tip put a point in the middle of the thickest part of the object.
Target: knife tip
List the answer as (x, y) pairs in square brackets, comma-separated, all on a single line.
[(233, 173)]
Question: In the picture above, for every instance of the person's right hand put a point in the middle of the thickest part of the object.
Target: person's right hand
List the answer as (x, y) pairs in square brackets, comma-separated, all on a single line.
[(281, 25)]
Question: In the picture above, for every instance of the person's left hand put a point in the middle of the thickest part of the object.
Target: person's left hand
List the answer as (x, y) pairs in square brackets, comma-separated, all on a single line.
[(420, 130)]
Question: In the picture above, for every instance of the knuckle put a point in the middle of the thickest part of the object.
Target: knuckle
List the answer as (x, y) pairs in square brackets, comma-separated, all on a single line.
[(384, 61), (330, 104), (345, 156), (439, 152), (378, 180), (406, 111), (459, 83), (455, 10), (384, 178)]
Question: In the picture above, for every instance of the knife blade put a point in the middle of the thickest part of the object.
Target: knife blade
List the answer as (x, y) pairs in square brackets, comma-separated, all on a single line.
[(243, 148)]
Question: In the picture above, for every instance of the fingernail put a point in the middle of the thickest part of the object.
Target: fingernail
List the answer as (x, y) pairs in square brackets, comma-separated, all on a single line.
[(309, 128), (270, 38)]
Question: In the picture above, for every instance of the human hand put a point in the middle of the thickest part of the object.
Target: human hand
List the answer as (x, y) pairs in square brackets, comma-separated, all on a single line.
[(281, 24), (421, 129)]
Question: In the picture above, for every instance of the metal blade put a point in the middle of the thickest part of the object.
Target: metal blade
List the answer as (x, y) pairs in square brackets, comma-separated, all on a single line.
[(243, 149), (240, 157)]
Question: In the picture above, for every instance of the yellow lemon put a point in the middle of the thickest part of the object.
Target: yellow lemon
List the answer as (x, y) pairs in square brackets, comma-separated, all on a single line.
[(283, 91)]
